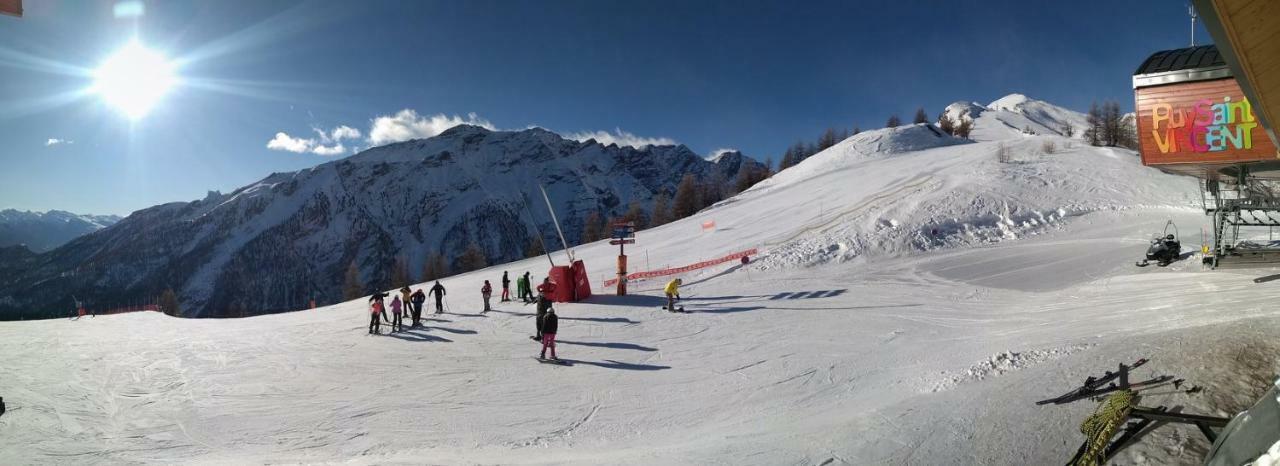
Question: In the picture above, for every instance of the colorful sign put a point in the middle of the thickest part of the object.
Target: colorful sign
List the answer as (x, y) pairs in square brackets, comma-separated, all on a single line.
[(1205, 126), (1197, 125)]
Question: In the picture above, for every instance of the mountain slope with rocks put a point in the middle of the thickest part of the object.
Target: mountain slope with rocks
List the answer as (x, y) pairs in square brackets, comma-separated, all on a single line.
[(287, 239)]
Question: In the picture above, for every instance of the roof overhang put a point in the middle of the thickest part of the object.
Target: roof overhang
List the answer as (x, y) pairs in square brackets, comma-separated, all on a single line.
[(1180, 76), (1247, 33)]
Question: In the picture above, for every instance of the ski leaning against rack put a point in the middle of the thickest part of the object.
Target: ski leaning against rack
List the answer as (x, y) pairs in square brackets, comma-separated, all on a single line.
[(1092, 385)]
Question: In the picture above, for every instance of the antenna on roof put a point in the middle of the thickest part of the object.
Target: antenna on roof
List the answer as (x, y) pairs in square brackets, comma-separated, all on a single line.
[(1191, 10)]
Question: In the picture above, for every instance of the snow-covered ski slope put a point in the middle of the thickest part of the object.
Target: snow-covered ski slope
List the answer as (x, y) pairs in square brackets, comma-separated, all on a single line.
[(858, 336)]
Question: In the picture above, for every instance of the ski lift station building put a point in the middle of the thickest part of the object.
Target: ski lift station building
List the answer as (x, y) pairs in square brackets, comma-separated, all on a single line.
[(1194, 118)]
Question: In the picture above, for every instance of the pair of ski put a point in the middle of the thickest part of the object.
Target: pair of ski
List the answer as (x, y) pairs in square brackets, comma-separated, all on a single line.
[(675, 309), (1095, 386)]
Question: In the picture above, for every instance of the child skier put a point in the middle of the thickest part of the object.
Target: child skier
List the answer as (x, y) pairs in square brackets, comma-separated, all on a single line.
[(544, 303), (485, 292), (375, 308), (506, 287), (549, 326), (397, 316), (439, 293)]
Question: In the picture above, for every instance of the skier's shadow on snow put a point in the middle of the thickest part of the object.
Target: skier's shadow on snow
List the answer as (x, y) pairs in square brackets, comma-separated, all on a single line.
[(631, 300), (611, 364), (456, 331), (416, 335), (626, 346), (607, 320)]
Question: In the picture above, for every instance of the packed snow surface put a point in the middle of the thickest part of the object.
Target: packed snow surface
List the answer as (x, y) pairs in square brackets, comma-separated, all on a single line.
[(907, 307)]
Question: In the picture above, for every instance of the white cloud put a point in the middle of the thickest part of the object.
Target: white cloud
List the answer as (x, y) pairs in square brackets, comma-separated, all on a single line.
[(329, 150), (407, 124), (329, 142), (621, 138), (337, 134), (344, 132), (56, 141), (285, 142)]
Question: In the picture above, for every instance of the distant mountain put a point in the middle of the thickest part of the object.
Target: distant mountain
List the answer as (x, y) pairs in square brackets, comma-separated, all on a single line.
[(1016, 113), (277, 243), (43, 231)]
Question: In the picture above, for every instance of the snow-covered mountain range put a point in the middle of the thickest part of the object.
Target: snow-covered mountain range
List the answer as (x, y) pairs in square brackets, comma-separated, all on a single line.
[(43, 231), (286, 239)]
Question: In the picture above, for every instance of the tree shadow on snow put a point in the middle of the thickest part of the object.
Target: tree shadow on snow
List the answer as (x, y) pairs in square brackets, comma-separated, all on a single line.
[(627, 346), (611, 364), (417, 335)]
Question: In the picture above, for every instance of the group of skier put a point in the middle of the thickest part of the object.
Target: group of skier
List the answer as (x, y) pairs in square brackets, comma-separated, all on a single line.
[(547, 323), (407, 302)]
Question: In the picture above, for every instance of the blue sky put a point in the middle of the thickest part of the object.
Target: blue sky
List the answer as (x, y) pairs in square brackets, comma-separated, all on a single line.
[(755, 76)]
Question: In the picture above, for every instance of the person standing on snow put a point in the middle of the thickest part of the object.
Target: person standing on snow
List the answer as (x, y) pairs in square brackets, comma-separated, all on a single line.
[(375, 308), (506, 287), (416, 299), (544, 302), (439, 293), (673, 293), (397, 315), (550, 323), (485, 292), (405, 295), (526, 293)]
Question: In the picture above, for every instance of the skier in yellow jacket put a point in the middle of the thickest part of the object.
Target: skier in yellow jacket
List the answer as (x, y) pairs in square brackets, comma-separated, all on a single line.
[(673, 293)]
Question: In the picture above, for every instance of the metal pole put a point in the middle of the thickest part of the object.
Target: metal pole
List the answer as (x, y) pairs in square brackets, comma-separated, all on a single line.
[(556, 222), (525, 200), (1191, 10)]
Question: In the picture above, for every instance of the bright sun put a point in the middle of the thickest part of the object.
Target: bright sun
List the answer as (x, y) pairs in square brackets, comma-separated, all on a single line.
[(133, 79)]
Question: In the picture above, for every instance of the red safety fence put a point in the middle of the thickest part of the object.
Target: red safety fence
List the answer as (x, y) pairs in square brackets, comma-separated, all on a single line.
[(688, 268)]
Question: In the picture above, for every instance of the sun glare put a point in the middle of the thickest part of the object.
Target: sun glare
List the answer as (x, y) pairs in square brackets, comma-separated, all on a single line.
[(133, 79)]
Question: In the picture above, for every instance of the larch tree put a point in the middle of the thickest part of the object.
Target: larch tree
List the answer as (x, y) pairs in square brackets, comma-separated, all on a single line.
[(661, 210), (635, 214), (946, 124), (592, 226), (686, 202), (921, 116), (893, 122), (400, 273), (472, 259), (351, 286), (169, 303)]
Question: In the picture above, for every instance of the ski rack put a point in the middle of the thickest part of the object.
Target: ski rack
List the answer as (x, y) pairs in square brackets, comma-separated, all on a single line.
[(1234, 202), (1144, 417)]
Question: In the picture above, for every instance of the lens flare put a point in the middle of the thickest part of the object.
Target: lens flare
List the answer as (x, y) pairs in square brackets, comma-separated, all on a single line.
[(133, 79)]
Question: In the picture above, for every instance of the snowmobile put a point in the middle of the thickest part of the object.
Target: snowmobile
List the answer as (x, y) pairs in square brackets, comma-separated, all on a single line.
[(1165, 248)]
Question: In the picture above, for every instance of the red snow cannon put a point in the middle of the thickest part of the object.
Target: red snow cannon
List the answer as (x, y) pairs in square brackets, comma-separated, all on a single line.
[(571, 283)]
